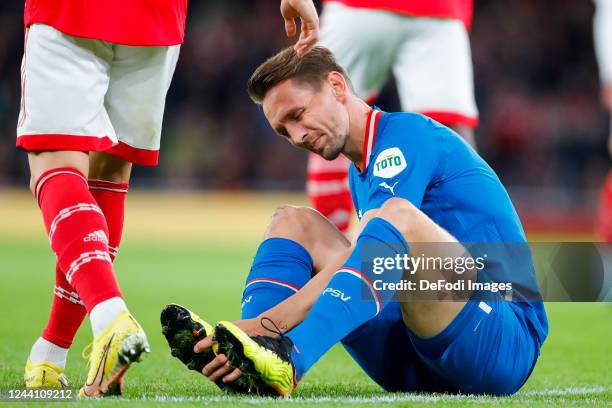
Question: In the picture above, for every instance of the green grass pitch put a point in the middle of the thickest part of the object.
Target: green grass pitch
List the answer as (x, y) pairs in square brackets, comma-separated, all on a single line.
[(202, 266)]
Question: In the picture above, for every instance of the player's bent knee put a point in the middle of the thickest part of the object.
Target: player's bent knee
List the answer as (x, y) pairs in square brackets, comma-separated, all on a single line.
[(401, 213), (292, 222)]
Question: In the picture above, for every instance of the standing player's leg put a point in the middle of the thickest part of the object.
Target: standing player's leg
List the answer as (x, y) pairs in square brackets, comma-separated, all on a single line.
[(364, 42), (604, 211), (434, 74), (62, 118), (603, 226), (109, 178), (108, 184)]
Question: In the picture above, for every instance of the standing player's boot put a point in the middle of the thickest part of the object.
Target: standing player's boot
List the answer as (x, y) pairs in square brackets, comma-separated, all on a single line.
[(183, 329), (44, 375), (112, 351), (265, 361)]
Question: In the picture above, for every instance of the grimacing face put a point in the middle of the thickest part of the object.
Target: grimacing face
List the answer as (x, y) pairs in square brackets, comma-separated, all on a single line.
[(310, 118)]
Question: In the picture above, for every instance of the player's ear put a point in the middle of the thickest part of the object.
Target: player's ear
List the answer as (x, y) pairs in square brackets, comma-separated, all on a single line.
[(338, 84)]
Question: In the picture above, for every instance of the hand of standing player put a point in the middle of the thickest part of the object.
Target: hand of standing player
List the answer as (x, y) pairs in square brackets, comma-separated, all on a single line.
[(309, 22)]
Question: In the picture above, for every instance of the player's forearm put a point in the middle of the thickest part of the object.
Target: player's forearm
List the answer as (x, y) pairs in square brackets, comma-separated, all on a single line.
[(294, 309)]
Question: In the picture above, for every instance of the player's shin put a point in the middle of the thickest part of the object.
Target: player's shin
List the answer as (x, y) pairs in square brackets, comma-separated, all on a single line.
[(111, 196), (350, 298), (280, 268), (78, 234), (68, 311)]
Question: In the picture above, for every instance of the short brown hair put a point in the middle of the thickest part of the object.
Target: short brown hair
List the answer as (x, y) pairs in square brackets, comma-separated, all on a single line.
[(311, 68)]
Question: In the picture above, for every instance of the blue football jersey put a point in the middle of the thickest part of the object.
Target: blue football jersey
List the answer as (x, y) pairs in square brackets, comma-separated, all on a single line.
[(410, 156)]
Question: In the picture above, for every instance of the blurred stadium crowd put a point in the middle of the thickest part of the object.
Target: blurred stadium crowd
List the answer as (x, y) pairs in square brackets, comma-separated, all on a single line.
[(542, 124)]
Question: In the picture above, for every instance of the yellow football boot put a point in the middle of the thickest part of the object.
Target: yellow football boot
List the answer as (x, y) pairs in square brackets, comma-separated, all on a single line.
[(183, 329), (44, 375), (265, 361), (111, 353)]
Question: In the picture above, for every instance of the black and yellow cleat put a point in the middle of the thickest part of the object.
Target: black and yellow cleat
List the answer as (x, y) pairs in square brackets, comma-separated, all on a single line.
[(183, 329), (265, 361)]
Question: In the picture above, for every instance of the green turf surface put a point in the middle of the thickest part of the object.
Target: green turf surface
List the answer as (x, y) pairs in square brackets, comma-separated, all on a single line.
[(575, 367), (205, 272)]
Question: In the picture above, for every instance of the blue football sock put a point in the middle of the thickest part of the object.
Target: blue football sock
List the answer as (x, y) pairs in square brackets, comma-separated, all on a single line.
[(280, 268), (349, 299)]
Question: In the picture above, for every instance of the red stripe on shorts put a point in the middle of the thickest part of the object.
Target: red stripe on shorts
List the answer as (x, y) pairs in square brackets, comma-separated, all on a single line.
[(135, 155), (63, 142)]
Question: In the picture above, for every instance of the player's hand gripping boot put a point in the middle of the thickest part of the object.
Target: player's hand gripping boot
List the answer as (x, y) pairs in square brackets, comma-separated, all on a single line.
[(265, 361), (111, 354), (44, 375), (183, 329)]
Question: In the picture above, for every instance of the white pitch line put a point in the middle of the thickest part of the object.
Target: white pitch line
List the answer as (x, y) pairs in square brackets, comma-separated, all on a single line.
[(391, 398), (569, 391)]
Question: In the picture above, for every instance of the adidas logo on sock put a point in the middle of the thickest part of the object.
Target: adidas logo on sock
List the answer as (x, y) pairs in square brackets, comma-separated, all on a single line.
[(96, 236)]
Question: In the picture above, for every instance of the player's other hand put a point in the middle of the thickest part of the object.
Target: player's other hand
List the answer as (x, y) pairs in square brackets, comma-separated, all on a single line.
[(309, 22), (219, 367)]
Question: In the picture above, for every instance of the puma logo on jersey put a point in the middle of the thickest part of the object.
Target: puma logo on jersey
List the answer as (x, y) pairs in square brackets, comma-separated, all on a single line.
[(336, 293), (391, 188), (96, 236)]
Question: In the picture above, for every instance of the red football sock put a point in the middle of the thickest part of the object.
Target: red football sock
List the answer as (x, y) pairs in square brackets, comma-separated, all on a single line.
[(604, 216), (68, 311), (111, 199), (328, 189), (78, 234)]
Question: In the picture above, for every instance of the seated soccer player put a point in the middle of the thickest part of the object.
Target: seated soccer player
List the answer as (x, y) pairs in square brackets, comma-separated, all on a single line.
[(413, 182)]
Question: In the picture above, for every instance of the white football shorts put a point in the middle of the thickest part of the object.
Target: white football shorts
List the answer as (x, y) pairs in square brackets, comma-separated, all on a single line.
[(430, 59), (90, 95)]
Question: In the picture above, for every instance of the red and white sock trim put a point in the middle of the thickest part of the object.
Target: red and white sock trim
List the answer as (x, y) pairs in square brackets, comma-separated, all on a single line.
[(84, 258), (368, 283), (50, 174), (68, 295), (113, 251), (273, 282), (108, 186), (67, 212)]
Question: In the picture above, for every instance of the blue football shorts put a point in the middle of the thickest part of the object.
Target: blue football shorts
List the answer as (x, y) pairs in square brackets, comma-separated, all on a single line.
[(489, 348)]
